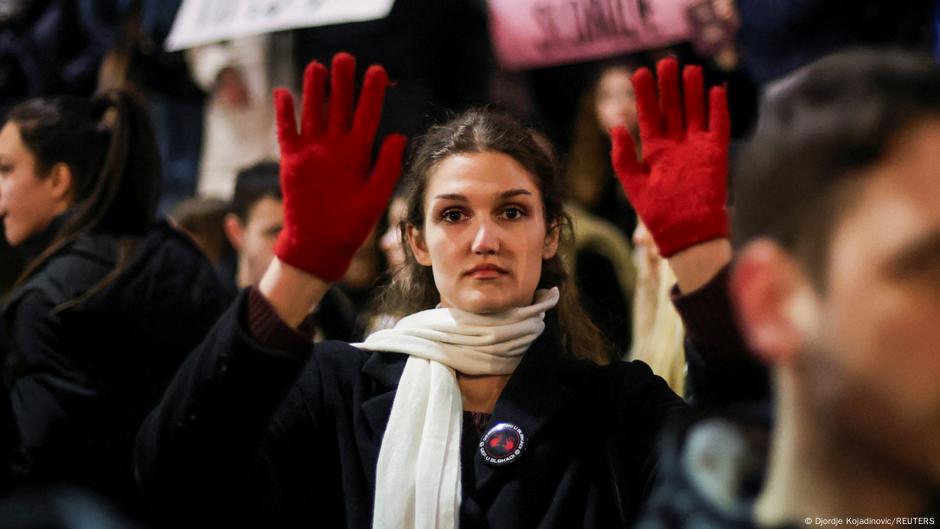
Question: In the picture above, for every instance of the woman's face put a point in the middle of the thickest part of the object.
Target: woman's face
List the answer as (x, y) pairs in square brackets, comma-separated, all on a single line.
[(28, 203), (484, 233), (615, 102)]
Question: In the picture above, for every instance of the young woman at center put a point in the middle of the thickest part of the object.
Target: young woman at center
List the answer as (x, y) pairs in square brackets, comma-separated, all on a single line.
[(483, 407)]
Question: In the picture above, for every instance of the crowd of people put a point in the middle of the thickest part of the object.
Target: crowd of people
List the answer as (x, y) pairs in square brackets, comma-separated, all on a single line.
[(669, 321)]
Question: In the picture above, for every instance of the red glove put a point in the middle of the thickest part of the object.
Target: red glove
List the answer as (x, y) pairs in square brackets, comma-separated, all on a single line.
[(679, 189), (333, 196)]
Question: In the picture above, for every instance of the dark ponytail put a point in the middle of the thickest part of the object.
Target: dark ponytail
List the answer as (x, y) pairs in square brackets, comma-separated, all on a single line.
[(109, 146)]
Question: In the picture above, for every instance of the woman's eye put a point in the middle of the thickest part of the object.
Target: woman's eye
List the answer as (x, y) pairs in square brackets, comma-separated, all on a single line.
[(452, 215), (513, 213)]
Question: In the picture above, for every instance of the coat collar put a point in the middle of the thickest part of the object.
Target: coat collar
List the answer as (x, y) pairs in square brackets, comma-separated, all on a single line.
[(385, 370)]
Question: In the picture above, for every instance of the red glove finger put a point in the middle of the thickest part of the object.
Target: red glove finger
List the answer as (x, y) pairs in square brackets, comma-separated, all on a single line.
[(719, 122), (286, 122), (647, 105), (311, 119), (369, 110), (342, 84), (386, 172), (694, 92), (628, 169), (667, 72), (624, 156)]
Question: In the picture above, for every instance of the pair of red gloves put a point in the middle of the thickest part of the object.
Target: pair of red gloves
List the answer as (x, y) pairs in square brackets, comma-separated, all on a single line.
[(334, 194)]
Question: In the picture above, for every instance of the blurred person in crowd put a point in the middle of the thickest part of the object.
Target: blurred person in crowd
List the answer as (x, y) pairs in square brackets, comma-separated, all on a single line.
[(658, 333), (598, 206), (608, 103), (391, 241), (488, 405), (255, 220), (238, 75), (603, 271), (599, 261), (836, 286), (252, 226), (138, 63), (360, 283), (203, 219), (110, 301), (54, 46), (713, 25)]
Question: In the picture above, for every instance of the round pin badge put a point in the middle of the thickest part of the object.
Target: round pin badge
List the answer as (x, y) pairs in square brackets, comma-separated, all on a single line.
[(502, 444)]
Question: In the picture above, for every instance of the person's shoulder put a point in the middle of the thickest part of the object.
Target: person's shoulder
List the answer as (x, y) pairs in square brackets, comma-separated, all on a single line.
[(615, 378), (72, 270), (627, 374), (343, 357), (165, 241), (166, 261), (630, 369), (629, 390), (343, 366), (93, 255), (340, 353)]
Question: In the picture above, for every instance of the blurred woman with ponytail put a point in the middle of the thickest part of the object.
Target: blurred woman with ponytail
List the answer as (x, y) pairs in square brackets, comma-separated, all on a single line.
[(110, 301)]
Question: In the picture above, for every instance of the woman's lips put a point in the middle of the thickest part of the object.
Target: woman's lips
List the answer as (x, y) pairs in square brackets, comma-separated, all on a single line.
[(486, 271)]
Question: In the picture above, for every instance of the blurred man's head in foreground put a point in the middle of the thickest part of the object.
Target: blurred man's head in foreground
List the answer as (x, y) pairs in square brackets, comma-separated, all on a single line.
[(837, 218)]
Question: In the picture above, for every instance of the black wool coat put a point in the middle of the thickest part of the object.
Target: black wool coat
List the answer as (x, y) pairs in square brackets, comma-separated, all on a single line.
[(81, 380), (248, 436)]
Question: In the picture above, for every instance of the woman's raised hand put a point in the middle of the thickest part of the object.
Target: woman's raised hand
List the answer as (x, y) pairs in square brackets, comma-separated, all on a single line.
[(679, 188), (333, 193)]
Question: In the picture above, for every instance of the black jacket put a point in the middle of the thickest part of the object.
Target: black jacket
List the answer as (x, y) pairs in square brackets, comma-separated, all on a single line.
[(81, 380), (249, 436)]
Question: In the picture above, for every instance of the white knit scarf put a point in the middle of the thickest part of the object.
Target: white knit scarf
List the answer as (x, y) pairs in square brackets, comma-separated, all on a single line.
[(418, 474)]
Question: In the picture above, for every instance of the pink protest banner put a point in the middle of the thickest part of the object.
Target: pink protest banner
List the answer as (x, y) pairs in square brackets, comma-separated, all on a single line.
[(536, 33)]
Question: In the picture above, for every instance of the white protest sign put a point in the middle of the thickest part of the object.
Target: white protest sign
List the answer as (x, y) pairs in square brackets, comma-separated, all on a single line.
[(537, 33), (204, 21)]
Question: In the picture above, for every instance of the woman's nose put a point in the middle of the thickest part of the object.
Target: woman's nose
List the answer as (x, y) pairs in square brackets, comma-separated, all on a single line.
[(486, 240)]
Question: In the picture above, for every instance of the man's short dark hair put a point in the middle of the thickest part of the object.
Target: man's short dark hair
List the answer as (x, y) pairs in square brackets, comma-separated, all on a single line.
[(254, 183), (819, 129)]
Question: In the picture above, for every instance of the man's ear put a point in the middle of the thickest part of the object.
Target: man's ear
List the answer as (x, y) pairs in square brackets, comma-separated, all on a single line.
[(234, 231), (418, 245), (552, 236), (59, 182), (774, 301)]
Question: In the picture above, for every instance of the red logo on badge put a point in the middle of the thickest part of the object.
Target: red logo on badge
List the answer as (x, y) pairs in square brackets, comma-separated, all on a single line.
[(502, 444)]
